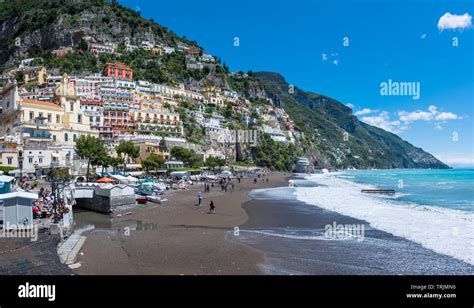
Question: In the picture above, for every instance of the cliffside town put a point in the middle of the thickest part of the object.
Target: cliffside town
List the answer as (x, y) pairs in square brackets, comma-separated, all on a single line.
[(44, 114), (97, 68)]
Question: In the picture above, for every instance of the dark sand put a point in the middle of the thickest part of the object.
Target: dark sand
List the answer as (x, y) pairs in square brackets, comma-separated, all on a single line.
[(291, 235), (175, 237)]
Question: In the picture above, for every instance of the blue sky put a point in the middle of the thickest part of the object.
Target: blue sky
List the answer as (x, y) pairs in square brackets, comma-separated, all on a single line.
[(388, 40)]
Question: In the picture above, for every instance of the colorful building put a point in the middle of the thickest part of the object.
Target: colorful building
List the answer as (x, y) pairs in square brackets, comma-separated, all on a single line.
[(118, 70)]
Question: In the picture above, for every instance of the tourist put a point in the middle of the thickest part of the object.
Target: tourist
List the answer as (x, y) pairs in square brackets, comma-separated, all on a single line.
[(255, 180), (199, 198), (36, 212), (212, 207)]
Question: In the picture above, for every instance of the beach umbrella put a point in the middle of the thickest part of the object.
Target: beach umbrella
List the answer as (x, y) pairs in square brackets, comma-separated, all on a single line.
[(105, 180)]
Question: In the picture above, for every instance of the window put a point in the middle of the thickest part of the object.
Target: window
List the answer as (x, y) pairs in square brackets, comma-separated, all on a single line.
[(74, 137), (40, 115), (66, 137), (91, 119), (79, 118), (49, 117), (71, 106), (40, 160), (30, 160), (32, 115), (54, 138), (9, 160), (58, 118)]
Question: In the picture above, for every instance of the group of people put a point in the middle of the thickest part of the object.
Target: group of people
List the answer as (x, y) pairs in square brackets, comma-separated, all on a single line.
[(224, 183), (43, 206)]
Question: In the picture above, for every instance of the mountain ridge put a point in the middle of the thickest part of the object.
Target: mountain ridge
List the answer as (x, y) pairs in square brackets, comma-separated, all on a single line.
[(338, 120)]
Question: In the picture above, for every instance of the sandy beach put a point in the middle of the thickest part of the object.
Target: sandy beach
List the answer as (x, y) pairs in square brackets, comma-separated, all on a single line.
[(176, 237)]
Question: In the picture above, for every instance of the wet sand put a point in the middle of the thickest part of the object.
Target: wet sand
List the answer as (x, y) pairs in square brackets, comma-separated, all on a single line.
[(177, 237), (291, 234)]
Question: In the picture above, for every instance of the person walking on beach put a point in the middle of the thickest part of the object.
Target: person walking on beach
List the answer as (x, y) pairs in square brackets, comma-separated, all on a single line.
[(199, 199), (212, 207)]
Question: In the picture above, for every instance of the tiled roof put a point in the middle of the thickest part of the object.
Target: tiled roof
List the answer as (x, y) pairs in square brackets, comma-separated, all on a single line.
[(41, 103)]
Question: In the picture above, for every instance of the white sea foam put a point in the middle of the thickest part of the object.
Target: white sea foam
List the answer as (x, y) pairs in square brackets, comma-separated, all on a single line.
[(446, 231)]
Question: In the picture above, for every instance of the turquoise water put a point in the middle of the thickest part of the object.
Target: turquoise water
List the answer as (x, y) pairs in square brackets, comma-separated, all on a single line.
[(447, 188)]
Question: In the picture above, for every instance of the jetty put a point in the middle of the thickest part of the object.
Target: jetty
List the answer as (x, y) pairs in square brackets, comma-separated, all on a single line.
[(389, 192)]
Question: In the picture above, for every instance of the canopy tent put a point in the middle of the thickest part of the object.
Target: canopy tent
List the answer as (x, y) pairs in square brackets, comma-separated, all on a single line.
[(14, 172), (124, 179), (131, 179), (136, 173), (6, 178), (105, 180)]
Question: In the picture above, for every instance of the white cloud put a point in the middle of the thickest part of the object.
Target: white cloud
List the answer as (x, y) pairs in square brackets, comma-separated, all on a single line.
[(335, 62), (324, 57), (365, 111), (350, 105), (405, 118), (445, 116), (454, 22), (430, 115), (382, 120), (423, 36)]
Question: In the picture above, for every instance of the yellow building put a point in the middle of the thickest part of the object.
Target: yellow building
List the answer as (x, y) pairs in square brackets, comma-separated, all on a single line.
[(8, 153), (153, 121), (147, 148), (157, 51), (35, 74)]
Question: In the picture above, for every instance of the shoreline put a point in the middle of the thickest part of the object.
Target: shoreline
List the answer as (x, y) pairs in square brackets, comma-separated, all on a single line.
[(291, 232), (176, 237)]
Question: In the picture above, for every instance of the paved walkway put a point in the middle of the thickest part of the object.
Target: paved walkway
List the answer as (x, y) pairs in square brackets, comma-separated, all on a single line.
[(21, 256), (70, 248)]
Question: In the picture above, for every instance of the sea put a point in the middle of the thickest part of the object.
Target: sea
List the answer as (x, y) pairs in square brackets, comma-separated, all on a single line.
[(426, 228)]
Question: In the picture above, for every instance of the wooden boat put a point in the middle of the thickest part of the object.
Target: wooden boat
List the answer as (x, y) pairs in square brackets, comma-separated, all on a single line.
[(142, 199), (154, 199), (389, 192)]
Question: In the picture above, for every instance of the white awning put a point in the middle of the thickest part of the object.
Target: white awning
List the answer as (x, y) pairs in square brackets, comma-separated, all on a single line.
[(6, 178)]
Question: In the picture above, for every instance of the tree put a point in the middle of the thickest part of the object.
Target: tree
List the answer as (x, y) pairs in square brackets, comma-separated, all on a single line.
[(127, 150), (163, 147), (228, 110), (92, 149), (115, 162), (185, 155), (153, 161), (19, 76), (214, 162)]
